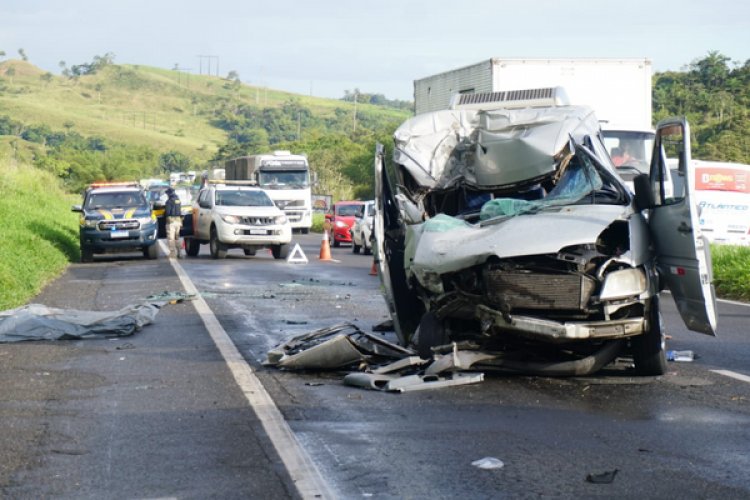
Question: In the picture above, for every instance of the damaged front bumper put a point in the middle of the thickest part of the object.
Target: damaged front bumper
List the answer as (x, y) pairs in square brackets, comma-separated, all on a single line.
[(554, 331)]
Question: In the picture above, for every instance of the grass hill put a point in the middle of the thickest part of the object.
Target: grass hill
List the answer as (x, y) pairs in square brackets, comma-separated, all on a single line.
[(162, 109)]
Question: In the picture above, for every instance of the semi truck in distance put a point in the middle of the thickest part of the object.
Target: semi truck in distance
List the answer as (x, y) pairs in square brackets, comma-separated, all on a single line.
[(285, 177), (618, 90)]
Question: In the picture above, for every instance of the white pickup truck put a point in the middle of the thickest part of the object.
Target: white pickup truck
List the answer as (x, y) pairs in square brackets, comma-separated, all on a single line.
[(237, 215)]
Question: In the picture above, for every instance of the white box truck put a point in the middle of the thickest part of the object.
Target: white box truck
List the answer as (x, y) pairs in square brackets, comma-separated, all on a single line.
[(619, 91), (285, 177)]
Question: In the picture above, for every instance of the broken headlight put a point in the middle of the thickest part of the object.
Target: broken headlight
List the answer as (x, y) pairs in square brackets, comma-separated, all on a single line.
[(623, 283)]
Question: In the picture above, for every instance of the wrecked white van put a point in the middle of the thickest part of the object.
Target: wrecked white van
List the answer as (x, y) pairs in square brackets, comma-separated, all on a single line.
[(506, 229)]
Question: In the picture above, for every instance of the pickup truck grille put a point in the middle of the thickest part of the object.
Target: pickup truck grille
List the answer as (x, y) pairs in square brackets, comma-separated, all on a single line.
[(119, 225), (257, 221)]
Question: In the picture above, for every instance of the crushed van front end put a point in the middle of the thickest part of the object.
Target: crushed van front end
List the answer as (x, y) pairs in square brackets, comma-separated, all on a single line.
[(510, 233)]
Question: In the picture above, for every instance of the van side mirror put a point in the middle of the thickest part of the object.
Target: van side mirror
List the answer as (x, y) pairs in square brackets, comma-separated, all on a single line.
[(644, 197)]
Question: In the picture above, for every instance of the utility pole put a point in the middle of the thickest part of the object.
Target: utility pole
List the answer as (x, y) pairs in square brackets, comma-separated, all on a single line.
[(208, 62), (179, 74)]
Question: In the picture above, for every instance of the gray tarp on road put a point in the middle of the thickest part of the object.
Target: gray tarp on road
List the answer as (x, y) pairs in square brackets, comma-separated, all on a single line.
[(39, 322)]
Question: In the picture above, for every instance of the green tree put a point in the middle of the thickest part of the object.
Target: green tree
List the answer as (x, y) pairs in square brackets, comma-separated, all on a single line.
[(174, 161), (712, 71), (716, 99), (22, 53)]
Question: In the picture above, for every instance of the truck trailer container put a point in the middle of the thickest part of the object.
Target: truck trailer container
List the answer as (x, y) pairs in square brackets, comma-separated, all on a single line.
[(619, 91)]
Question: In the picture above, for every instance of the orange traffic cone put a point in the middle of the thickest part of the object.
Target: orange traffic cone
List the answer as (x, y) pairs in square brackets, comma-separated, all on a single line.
[(373, 269), (325, 247)]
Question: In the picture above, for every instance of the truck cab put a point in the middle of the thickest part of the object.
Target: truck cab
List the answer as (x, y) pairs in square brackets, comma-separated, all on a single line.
[(285, 177)]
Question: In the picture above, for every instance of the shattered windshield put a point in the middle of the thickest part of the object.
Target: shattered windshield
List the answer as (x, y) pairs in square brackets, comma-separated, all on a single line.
[(579, 180)]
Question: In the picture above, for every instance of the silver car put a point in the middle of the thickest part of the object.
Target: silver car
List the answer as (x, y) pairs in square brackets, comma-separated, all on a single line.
[(511, 234), (361, 231)]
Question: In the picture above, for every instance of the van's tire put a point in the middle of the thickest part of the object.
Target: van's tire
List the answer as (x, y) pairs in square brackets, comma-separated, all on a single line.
[(648, 348), (218, 251), (280, 251), (355, 247), (431, 334), (151, 252), (87, 254), (192, 247)]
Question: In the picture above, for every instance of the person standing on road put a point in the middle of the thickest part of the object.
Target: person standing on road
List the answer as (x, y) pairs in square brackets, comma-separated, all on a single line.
[(173, 213)]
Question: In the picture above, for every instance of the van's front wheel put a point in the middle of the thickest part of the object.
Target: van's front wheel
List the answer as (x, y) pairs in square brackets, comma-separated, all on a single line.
[(648, 348)]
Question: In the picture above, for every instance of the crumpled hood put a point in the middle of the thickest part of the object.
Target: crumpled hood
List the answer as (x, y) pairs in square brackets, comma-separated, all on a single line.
[(487, 148), (446, 244)]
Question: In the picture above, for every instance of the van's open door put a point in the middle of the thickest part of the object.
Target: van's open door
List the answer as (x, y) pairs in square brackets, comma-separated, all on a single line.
[(403, 305), (683, 253)]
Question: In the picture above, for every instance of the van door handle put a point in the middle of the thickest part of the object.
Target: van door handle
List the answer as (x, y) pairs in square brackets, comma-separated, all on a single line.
[(684, 228)]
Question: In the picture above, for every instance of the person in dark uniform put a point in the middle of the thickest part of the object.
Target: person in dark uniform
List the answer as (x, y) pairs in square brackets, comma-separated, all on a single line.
[(173, 213)]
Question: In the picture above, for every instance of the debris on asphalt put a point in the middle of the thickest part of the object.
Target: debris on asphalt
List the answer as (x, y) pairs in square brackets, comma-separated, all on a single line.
[(379, 364), (681, 356), (488, 463), (385, 326), (409, 383), (39, 322), (606, 477), (333, 348), (167, 297)]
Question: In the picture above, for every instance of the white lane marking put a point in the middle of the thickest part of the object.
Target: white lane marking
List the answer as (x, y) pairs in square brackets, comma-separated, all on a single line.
[(304, 474), (734, 375), (733, 302)]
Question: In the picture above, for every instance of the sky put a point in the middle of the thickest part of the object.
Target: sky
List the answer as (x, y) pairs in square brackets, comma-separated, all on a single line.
[(326, 47)]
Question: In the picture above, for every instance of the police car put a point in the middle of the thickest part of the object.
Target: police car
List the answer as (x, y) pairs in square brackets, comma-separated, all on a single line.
[(116, 217)]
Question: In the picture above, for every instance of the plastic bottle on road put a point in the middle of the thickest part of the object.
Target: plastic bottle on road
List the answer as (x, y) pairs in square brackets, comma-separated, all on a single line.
[(681, 356)]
